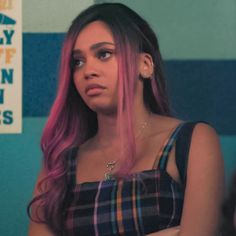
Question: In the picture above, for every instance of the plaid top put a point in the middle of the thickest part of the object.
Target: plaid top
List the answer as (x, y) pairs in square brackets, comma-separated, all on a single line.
[(149, 201)]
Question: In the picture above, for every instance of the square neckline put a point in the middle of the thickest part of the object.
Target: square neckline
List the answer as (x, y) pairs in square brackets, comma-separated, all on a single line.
[(155, 167)]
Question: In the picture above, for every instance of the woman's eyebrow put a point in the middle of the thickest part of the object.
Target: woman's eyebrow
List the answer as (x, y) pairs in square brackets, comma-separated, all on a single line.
[(93, 47)]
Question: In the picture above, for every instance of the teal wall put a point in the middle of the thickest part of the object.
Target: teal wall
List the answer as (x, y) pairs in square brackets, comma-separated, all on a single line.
[(187, 30), (191, 29), (19, 160)]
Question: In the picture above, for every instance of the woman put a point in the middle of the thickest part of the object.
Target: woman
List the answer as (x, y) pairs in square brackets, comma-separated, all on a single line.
[(111, 166)]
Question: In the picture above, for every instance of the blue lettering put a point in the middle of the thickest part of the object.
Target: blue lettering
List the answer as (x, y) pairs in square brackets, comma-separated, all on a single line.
[(1, 96), (8, 36), (7, 76), (7, 117)]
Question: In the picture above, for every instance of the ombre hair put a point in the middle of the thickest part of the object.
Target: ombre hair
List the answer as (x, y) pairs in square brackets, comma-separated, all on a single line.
[(71, 122)]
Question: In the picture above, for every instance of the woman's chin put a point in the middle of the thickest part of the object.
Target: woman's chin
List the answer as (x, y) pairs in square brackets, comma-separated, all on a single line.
[(104, 109)]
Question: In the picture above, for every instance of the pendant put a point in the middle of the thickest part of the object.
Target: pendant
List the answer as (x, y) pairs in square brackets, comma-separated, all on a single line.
[(108, 176), (111, 165)]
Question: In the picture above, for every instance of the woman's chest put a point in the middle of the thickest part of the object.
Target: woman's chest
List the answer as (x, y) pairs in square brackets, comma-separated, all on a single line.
[(131, 207), (93, 166)]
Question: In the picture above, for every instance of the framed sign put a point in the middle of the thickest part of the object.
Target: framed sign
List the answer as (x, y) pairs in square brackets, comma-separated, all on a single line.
[(10, 66)]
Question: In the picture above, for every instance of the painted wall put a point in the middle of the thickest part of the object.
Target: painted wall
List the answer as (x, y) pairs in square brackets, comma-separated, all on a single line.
[(20, 155), (191, 29), (197, 40)]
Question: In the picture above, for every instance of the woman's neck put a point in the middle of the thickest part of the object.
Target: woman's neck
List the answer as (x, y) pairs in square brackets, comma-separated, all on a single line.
[(108, 135)]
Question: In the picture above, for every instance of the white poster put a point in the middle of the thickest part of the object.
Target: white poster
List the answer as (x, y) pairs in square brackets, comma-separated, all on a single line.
[(10, 66)]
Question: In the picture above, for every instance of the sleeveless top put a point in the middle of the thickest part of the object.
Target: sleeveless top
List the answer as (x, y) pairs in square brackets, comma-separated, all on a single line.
[(146, 202)]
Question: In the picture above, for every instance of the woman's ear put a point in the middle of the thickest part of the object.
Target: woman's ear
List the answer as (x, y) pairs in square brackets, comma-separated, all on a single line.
[(146, 67)]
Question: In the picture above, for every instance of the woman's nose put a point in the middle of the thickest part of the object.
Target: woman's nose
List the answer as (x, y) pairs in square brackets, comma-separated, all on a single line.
[(90, 69)]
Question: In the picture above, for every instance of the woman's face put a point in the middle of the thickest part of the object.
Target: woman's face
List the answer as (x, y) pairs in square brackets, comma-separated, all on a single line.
[(95, 67)]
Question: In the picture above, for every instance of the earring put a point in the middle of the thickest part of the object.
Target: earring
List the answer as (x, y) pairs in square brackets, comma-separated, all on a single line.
[(145, 73), (152, 75)]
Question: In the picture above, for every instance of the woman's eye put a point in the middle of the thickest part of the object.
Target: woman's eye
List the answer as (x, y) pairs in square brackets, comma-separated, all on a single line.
[(78, 63), (104, 54)]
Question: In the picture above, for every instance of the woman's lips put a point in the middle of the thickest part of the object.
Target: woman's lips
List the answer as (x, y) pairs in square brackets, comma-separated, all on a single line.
[(94, 89)]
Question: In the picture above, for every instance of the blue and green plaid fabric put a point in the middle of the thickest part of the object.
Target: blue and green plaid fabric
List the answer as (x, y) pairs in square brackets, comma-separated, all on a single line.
[(146, 202)]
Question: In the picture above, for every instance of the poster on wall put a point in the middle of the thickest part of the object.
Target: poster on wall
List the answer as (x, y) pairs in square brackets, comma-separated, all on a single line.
[(10, 66)]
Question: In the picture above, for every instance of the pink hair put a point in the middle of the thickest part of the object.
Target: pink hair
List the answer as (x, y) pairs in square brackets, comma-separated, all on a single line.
[(71, 122)]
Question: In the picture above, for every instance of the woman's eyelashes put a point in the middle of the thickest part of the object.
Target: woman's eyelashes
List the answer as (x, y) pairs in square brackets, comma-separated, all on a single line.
[(102, 55), (77, 63)]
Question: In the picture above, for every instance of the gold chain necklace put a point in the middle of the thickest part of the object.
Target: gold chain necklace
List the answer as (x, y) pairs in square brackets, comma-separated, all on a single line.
[(112, 164)]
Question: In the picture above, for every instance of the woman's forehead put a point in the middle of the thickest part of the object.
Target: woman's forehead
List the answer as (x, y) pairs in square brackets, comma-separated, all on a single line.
[(93, 33)]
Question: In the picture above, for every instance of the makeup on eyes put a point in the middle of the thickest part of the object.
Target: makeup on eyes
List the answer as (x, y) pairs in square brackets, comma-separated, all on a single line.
[(103, 51), (98, 52), (93, 47)]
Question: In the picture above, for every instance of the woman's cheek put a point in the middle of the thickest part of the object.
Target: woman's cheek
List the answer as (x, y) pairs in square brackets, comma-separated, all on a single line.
[(78, 85)]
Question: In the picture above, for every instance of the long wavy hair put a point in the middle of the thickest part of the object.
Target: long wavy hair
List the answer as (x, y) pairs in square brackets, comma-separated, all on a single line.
[(71, 122)]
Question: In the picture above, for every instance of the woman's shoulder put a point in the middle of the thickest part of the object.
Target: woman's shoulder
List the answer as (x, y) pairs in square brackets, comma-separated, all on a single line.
[(162, 123), (204, 150), (201, 128), (205, 139), (203, 134)]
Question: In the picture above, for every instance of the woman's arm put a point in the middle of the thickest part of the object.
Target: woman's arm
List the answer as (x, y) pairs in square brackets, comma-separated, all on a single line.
[(204, 188), (36, 229), (205, 184), (173, 231)]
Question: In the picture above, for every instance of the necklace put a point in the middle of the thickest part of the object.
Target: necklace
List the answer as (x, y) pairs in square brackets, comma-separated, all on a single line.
[(110, 165)]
